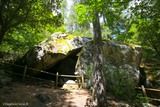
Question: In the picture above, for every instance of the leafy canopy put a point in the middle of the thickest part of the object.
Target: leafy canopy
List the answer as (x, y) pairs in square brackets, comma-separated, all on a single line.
[(24, 23)]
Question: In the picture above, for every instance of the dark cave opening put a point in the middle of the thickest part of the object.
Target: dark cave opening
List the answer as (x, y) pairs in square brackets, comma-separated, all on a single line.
[(63, 67)]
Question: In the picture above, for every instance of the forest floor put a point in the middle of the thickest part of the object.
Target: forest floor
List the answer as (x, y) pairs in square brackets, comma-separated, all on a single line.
[(20, 94), (28, 95)]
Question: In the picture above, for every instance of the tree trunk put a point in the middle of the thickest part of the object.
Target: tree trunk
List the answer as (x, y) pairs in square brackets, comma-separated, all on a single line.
[(99, 86), (99, 92), (97, 29)]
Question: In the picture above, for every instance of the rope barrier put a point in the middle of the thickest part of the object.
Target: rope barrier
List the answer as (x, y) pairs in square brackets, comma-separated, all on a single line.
[(42, 71), (18, 74)]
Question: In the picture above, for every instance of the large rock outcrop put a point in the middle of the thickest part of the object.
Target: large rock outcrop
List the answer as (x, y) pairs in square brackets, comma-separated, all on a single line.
[(60, 52), (51, 51), (118, 59)]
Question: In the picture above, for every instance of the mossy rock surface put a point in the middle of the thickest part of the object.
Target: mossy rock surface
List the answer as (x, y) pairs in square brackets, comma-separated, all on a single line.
[(49, 52), (121, 67)]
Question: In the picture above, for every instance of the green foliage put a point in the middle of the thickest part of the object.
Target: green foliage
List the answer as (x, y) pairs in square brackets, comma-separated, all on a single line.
[(26, 23), (106, 32), (58, 29), (33, 13), (140, 99), (150, 34), (141, 24), (144, 24), (120, 85), (83, 33), (22, 39), (110, 14), (82, 11)]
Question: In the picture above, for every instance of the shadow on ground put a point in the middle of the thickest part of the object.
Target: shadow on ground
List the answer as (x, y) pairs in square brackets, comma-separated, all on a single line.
[(31, 95)]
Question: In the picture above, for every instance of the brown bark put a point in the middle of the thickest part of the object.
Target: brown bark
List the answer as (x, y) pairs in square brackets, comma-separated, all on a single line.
[(99, 86), (97, 29)]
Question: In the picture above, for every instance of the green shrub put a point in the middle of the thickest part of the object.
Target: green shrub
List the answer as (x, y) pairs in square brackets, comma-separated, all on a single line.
[(120, 85), (140, 99)]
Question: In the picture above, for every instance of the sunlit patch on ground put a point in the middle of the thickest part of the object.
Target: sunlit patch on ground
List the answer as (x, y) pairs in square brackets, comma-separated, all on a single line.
[(39, 96)]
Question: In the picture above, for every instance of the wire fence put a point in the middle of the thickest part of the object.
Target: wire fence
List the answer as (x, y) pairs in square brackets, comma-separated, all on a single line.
[(80, 78)]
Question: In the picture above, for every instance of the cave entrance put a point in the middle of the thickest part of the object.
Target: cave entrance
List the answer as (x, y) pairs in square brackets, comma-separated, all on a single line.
[(65, 67)]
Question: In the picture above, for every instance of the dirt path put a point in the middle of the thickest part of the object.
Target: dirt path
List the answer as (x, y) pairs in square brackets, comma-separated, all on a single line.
[(22, 95), (77, 98)]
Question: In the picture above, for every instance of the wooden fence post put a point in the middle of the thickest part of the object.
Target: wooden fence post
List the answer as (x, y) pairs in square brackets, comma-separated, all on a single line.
[(25, 71), (144, 91), (57, 79), (82, 82)]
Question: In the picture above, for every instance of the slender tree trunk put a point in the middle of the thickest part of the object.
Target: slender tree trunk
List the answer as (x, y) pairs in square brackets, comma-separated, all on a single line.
[(99, 86), (97, 29)]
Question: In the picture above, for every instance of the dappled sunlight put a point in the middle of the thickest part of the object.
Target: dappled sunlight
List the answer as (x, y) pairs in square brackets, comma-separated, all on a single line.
[(40, 96), (51, 49)]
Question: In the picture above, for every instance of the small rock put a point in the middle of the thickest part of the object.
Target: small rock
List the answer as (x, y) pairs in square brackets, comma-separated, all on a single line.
[(70, 85), (43, 98), (148, 105)]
